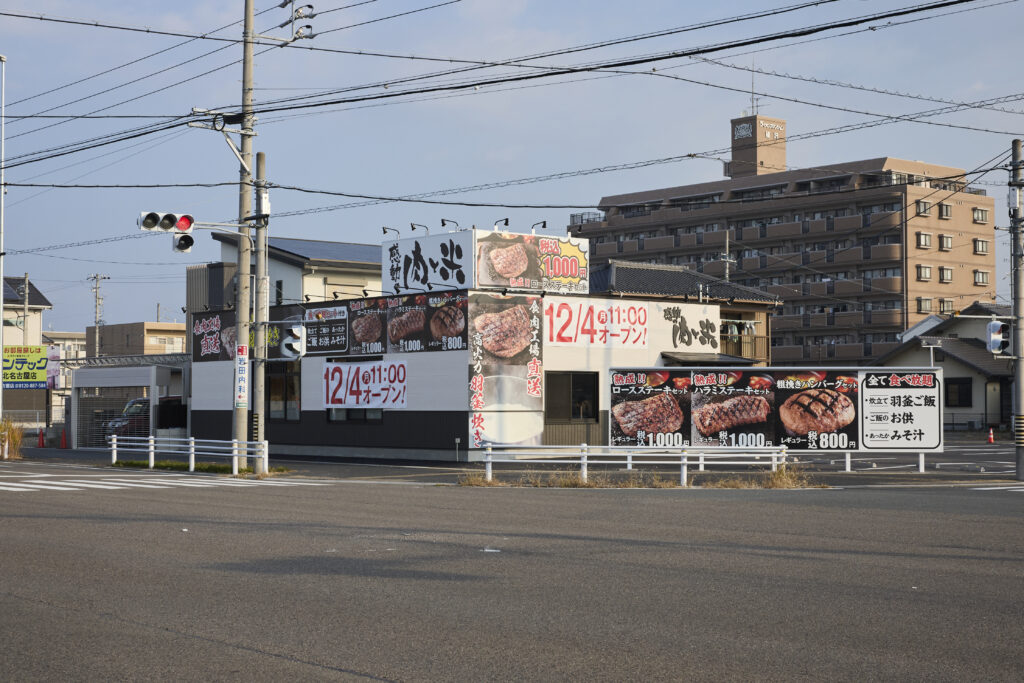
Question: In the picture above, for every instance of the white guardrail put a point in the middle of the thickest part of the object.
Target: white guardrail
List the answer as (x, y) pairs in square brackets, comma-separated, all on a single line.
[(191, 447), (584, 455)]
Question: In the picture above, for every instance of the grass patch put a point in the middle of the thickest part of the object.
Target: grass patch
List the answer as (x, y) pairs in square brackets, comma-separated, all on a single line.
[(571, 480), (13, 435), (785, 477), (206, 467)]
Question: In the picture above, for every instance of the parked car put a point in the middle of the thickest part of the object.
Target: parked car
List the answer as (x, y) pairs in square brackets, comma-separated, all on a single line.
[(134, 418)]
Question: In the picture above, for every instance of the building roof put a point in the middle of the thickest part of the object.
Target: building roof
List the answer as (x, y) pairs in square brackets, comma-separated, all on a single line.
[(317, 252), (770, 179), (970, 351), (13, 297), (629, 277)]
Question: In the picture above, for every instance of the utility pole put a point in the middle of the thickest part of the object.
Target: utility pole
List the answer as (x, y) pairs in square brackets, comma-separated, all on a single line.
[(262, 309), (726, 256), (1017, 271), (96, 278), (239, 429)]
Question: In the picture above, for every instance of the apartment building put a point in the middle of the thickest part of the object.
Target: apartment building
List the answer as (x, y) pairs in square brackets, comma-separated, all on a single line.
[(859, 251)]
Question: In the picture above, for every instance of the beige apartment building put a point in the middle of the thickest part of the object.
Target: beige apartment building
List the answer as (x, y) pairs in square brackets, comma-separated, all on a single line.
[(859, 251), (136, 339)]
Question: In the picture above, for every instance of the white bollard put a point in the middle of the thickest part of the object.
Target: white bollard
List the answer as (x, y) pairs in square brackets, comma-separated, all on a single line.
[(629, 460), (775, 461), (191, 454), (266, 457), (682, 468), (152, 452), (113, 449), (583, 461), (234, 457), (488, 467), (848, 469), (700, 461), (920, 462)]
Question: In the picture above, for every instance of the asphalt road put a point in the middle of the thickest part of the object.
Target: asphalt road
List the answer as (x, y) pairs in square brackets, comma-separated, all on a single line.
[(356, 579)]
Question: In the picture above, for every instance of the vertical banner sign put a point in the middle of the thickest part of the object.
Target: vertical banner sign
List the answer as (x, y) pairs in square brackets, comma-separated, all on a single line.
[(380, 384), (902, 410), (506, 397), (241, 376)]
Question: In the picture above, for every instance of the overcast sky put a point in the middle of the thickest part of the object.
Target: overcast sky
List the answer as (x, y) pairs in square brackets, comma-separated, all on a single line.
[(422, 143)]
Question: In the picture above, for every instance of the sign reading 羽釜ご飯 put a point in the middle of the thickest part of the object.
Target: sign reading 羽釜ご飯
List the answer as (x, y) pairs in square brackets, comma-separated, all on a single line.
[(832, 409), (25, 367)]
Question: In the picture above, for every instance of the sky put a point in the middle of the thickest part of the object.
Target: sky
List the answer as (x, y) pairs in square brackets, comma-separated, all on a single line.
[(579, 126)]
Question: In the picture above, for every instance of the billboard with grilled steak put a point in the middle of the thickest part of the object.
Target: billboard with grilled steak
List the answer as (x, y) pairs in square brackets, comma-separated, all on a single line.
[(549, 264), (834, 409), (506, 398)]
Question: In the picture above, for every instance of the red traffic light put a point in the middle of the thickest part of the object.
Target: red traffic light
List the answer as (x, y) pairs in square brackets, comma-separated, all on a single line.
[(184, 223)]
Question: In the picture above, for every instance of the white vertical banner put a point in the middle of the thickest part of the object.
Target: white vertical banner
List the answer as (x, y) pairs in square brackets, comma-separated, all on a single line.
[(241, 376)]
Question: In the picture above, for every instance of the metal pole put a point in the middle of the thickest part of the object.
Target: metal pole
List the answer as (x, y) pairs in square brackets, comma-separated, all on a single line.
[(239, 430), (24, 314), (262, 310), (1017, 241), (3, 192), (191, 454)]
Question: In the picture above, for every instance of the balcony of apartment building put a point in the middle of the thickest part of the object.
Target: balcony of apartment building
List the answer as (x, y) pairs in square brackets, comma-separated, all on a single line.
[(751, 346), (883, 285)]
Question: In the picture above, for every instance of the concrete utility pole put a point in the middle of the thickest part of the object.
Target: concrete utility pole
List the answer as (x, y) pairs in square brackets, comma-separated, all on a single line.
[(239, 429), (262, 309), (96, 278), (1017, 271), (3, 191)]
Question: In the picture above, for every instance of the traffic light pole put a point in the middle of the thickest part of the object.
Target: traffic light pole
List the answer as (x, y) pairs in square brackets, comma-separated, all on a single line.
[(239, 427), (1017, 273)]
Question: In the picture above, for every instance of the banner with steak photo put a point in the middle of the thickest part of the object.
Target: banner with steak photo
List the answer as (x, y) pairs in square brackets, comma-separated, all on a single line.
[(427, 322), (553, 264), (367, 320), (817, 409), (650, 408), (733, 408), (506, 399)]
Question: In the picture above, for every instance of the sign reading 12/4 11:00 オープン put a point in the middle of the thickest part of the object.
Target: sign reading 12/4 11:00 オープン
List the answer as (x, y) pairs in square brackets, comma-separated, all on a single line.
[(804, 409)]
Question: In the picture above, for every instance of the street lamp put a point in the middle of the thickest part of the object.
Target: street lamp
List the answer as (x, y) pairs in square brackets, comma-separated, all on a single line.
[(419, 225), (446, 221), (503, 221)]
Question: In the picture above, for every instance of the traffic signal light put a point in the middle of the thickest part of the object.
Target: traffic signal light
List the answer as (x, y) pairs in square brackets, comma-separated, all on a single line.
[(293, 340), (183, 242), (998, 336), (166, 222)]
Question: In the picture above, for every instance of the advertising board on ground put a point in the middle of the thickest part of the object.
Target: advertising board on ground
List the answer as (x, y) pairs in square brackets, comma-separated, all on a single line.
[(853, 409)]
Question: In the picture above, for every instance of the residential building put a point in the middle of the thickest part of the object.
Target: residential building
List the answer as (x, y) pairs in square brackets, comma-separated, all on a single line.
[(23, 321), (136, 339), (977, 384), (859, 251), (69, 347)]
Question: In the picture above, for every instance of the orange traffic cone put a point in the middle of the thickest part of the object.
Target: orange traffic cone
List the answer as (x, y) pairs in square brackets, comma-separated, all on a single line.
[(63, 438), (41, 444), (991, 436)]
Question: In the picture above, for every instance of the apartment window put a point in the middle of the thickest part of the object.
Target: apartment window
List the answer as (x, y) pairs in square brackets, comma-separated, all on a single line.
[(980, 246), (945, 274), (945, 211), (958, 392), (945, 305), (945, 242), (924, 305), (980, 215), (571, 396), (924, 240), (924, 272), (924, 208), (981, 277)]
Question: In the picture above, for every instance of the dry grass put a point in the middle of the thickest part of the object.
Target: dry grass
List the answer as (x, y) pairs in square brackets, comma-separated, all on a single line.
[(571, 480), (13, 434), (785, 477)]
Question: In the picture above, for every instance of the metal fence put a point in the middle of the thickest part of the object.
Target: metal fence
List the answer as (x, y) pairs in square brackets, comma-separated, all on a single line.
[(190, 447), (585, 455)]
